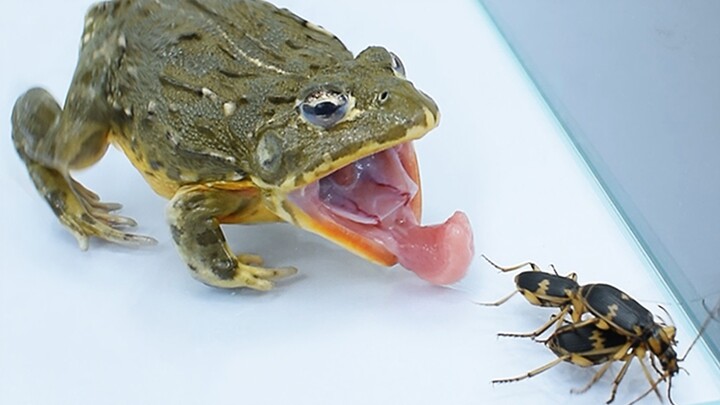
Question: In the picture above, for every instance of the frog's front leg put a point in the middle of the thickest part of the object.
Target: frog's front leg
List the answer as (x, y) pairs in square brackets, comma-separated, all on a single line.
[(51, 142), (195, 214)]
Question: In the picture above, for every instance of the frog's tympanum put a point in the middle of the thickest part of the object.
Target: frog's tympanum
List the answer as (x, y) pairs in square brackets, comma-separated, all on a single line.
[(239, 112)]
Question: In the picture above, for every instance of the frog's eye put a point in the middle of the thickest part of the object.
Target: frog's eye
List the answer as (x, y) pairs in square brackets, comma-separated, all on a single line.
[(324, 108), (397, 65)]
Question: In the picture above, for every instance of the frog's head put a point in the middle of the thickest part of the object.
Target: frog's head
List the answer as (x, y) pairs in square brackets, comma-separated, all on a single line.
[(341, 164), (343, 113)]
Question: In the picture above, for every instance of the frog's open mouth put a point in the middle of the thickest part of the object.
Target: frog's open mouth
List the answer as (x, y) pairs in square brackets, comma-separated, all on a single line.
[(372, 207)]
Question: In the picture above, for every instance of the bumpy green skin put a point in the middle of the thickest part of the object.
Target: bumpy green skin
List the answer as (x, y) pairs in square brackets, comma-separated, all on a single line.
[(202, 96)]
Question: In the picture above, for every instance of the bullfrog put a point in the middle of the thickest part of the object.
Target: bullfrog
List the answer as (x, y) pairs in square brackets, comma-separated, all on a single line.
[(241, 112)]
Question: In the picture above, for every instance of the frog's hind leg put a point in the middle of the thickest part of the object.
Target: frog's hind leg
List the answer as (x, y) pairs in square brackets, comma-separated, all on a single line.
[(51, 142)]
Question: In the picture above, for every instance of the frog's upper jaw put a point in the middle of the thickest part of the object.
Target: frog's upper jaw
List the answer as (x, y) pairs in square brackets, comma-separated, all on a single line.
[(429, 120)]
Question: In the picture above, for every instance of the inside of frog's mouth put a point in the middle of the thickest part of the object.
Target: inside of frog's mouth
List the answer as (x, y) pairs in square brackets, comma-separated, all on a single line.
[(372, 207), (373, 198)]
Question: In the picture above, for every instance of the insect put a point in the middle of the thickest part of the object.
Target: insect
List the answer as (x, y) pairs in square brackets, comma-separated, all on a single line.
[(587, 344), (544, 290), (584, 346), (616, 310), (617, 328)]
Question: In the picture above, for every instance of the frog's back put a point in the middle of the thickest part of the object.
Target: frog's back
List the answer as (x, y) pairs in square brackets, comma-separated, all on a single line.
[(189, 80)]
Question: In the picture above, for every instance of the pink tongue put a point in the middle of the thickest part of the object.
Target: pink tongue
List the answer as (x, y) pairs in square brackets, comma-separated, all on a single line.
[(440, 254), (372, 196)]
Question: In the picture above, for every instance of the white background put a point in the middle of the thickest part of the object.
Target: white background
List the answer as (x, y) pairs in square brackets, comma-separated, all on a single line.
[(115, 325)]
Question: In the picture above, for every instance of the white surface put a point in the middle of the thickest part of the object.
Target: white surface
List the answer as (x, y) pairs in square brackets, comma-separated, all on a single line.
[(129, 326)]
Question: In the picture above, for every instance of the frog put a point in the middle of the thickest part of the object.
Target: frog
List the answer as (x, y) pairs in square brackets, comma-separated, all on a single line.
[(240, 112)]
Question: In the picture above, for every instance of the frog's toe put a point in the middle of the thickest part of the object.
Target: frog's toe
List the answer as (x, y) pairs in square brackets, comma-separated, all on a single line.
[(261, 278), (82, 239), (84, 192), (91, 199), (115, 221), (105, 206), (122, 238), (250, 259), (81, 211), (102, 212), (104, 226), (273, 273), (130, 239), (85, 226)]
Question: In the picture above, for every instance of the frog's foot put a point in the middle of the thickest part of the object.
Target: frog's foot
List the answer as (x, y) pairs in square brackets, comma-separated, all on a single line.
[(82, 212), (234, 271), (96, 219)]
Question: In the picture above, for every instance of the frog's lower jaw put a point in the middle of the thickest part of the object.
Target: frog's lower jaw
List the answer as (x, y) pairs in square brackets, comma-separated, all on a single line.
[(372, 207)]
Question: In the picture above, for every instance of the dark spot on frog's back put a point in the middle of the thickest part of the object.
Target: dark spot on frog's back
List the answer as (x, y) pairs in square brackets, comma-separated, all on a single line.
[(293, 45), (155, 165), (189, 36), (281, 100), (173, 173)]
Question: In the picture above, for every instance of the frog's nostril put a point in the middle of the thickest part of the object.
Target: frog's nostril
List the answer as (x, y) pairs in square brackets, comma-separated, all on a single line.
[(429, 102)]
